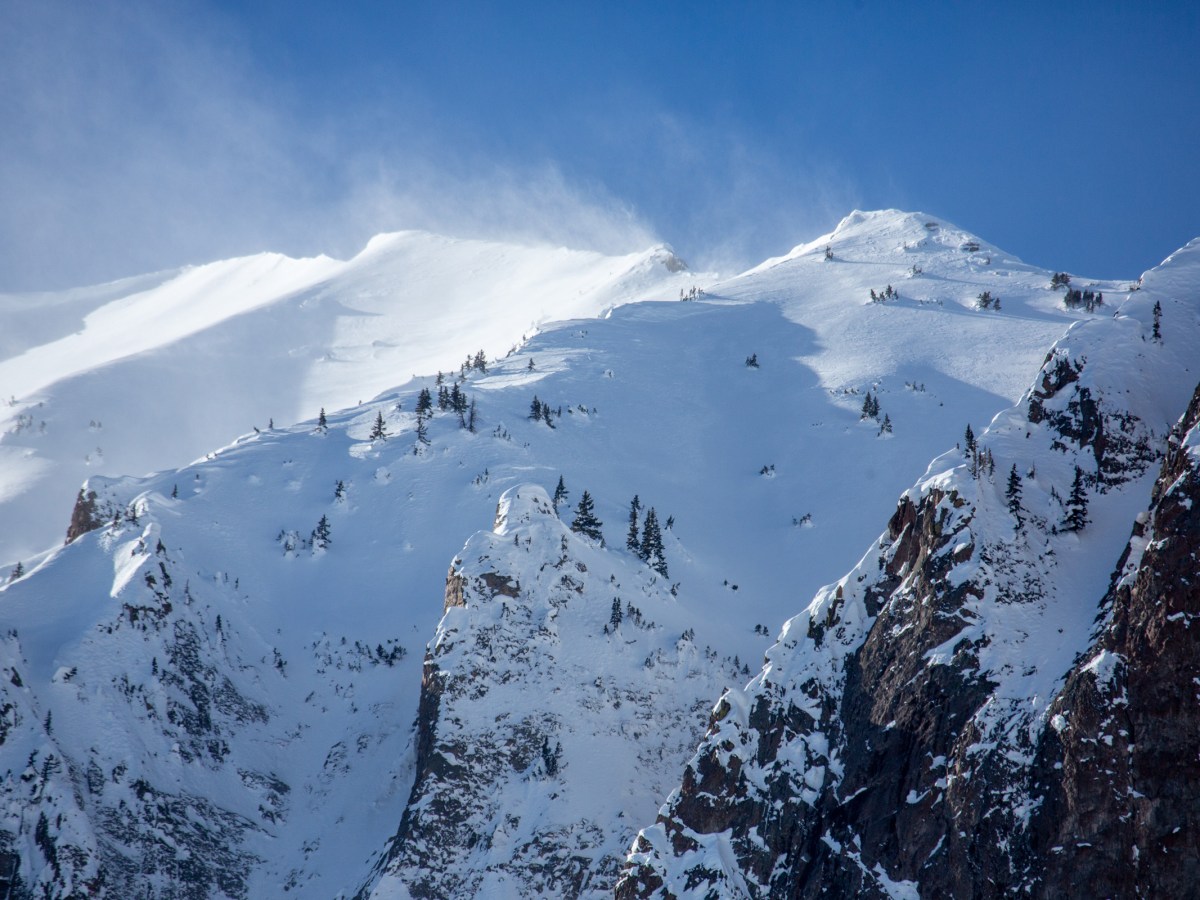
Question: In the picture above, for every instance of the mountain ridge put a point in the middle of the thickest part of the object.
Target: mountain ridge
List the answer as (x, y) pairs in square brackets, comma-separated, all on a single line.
[(259, 671)]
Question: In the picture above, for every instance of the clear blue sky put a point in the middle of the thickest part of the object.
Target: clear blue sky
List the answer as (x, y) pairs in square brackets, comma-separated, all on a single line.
[(141, 135)]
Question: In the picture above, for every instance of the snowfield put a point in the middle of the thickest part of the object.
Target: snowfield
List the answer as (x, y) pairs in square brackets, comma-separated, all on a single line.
[(204, 688)]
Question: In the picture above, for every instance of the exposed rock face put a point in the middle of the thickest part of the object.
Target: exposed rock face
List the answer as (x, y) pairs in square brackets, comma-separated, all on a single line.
[(900, 740), (553, 713), (84, 517), (1118, 765)]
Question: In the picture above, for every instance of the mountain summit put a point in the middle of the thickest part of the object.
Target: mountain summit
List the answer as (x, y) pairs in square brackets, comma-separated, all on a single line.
[(514, 629)]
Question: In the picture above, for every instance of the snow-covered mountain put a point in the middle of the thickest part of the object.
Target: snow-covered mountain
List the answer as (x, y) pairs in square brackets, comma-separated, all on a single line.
[(909, 734), (234, 682), (153, 372)]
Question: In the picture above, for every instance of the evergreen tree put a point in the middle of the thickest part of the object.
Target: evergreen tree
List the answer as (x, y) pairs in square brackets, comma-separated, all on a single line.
[(969, 440), (615, 617), (424, 403), (471, 418), (631, 540), (320, 535), (322, 424), (869, 410), (443, 398), (480, 362), (652, 545), (18, 571), (886, 427), (1076, 518), (535, 408), (585, 521), (339, 490), (379, 430), (560, 493), (422, 431), (1156, 334), (1012, 493)]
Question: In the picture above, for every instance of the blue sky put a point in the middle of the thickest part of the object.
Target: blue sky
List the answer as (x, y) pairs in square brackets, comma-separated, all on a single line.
[(147, 135)]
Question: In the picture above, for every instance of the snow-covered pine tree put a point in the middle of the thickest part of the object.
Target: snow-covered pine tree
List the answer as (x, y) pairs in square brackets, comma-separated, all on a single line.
[(615, 617), (379, 430), (652, 545), (631, 540), (322, 422), (320, 535), (969, 440), (585, 521), (560, 493), (1012, 493), (424, 403), (869, 407), (1076, 517)]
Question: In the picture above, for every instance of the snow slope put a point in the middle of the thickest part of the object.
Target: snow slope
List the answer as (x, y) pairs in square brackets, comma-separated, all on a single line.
[(152, 372), (772, 477), (928, 670)]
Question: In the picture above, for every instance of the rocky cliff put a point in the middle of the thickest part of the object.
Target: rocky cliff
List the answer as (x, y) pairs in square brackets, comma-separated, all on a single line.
[(558, 698)]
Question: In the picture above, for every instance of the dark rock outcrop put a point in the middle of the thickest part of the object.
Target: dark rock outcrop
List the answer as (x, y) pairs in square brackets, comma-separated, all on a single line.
[(1118, 765)]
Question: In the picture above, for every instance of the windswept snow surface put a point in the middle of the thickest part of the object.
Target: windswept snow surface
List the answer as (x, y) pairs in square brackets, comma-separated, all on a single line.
[(773, 479), (152, 372)]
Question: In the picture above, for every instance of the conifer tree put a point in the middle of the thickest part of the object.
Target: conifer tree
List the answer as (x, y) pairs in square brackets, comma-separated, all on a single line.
[(560, 493), (424, 403), (322, 423), (1012, 493), (869, 408), (631, 540), (1156, 334), (615, 617), (535, 408), (18, 571), (320, 535), (585, 521), (379, 430), (652, 545), (422, 431), (1076, 517), (969, 440), (471, 418)]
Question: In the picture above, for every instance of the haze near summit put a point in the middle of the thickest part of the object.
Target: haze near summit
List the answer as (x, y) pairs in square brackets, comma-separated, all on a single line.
[(139, 137)]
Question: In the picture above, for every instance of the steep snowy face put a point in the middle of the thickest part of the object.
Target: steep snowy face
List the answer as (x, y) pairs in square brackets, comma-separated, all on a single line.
[(887, 748), (559, 669), (154, 372)]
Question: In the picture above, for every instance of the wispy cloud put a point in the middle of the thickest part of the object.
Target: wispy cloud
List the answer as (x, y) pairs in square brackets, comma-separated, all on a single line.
[(138, 138)]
